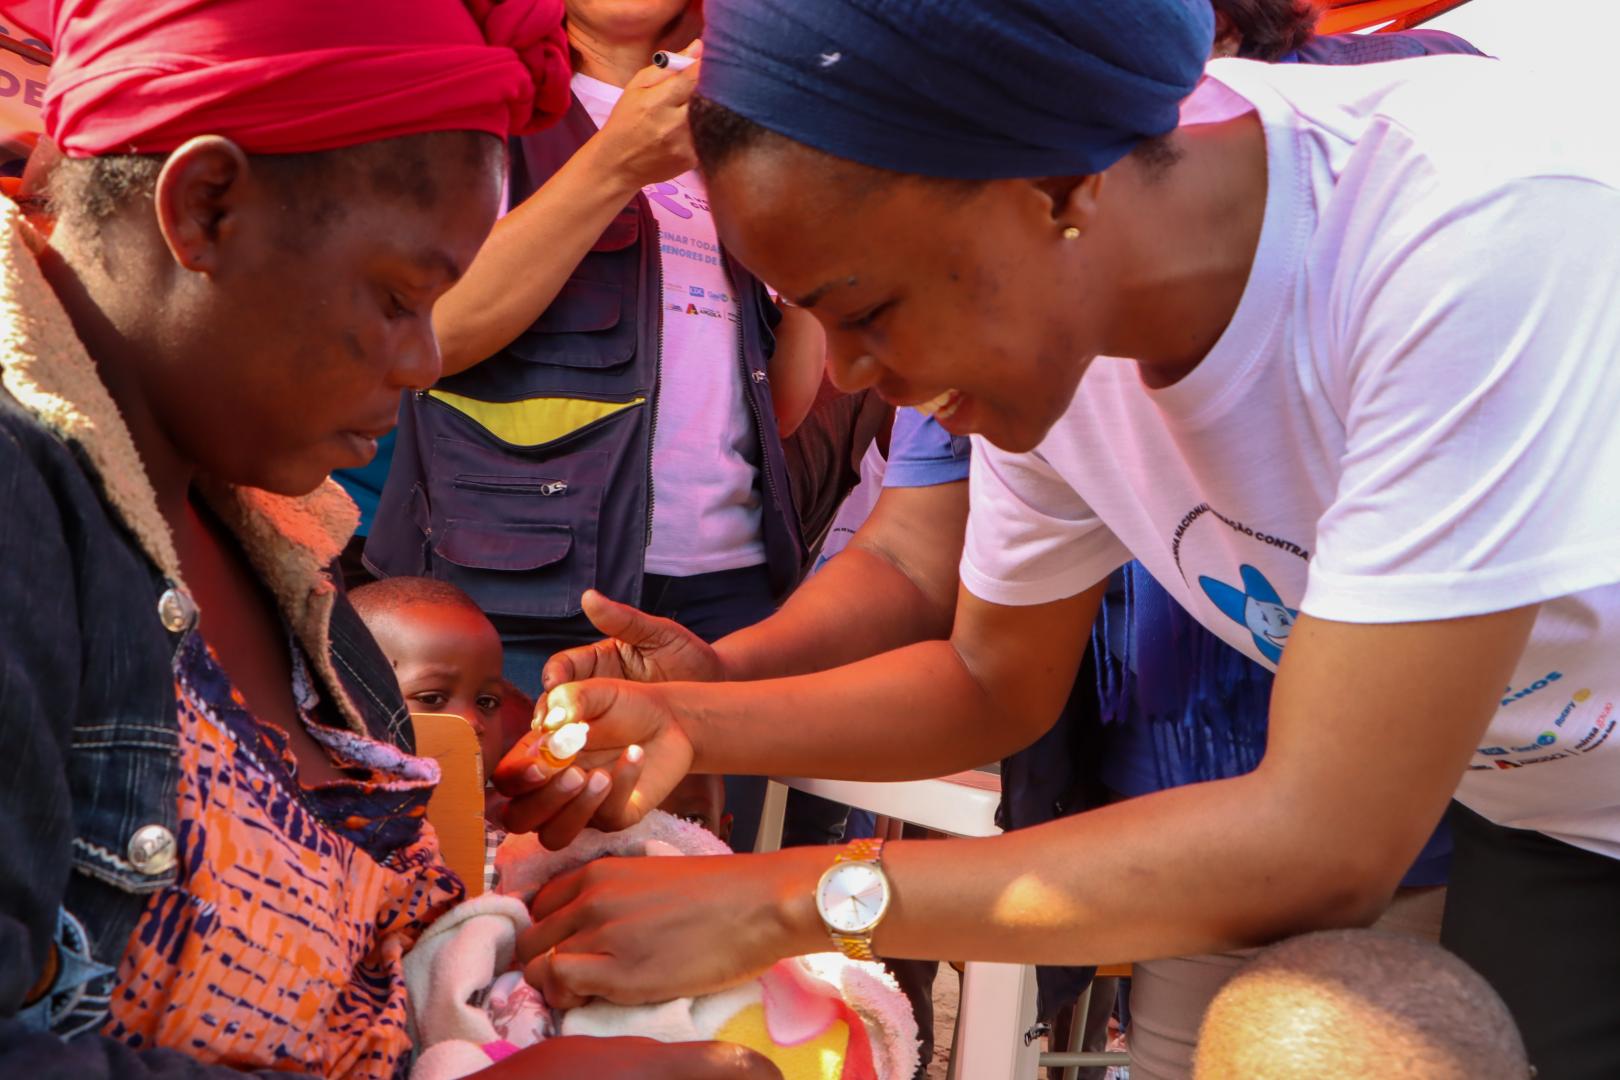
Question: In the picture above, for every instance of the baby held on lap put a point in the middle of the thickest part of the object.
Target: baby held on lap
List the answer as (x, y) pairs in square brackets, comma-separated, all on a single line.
[(447, 657), (820, 1018)]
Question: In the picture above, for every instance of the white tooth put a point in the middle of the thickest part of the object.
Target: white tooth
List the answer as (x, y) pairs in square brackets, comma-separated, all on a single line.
[(933, 406)]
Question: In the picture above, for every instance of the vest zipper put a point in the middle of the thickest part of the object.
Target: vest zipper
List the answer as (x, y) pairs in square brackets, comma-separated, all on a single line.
[(658, 373), (759, 417), (543, 488)]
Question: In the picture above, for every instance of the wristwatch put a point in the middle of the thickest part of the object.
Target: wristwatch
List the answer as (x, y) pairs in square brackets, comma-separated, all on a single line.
[(853, 896)]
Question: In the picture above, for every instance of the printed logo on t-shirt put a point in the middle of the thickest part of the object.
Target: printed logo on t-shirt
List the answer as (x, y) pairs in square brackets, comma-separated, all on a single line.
[(1510, 695), (1207, 553), (1256, 607), (664, 195), (1192, 517), (1561, 740)]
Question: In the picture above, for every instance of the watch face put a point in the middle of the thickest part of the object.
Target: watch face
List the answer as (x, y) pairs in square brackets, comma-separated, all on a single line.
[(852, 897)]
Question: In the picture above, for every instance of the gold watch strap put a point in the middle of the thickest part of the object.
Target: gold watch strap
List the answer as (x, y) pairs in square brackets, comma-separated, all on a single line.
[(868, 849), (856, 948)]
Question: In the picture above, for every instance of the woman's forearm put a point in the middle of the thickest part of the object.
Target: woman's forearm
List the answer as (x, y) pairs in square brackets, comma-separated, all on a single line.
[(528, 257), (1319, 835), (904, 715), (925, 710), (922, 711), (858, 605), (1197, 869), (894, 585)]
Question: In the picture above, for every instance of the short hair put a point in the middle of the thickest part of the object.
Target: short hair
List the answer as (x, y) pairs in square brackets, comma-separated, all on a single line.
[(1269, 29), (380, 599), (719, 133), (1358, 1004), (315, 184)]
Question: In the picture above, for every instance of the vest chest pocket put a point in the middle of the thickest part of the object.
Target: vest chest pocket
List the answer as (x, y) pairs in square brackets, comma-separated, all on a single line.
[(513, 569), (518, 535), (584, 327)]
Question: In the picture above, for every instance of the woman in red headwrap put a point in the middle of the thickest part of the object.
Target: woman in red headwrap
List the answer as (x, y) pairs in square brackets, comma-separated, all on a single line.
[(212, 852)]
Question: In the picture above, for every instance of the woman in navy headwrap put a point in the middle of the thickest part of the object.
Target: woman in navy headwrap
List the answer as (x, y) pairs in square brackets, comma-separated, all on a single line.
[(1347, 428)]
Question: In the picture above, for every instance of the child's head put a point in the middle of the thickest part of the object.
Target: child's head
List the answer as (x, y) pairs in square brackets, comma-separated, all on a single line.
[(1355, 1005), (445, 652), (517, 714), (702, 800)]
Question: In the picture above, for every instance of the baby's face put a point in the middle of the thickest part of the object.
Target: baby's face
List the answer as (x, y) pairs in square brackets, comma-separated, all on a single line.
[(448, 660), (701, 800)]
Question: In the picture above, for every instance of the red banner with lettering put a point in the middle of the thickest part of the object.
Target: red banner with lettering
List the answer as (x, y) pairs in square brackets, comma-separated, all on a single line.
[(22, 91)]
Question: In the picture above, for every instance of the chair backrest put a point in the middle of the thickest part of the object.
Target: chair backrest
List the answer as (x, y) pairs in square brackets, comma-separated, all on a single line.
[(456, 809)]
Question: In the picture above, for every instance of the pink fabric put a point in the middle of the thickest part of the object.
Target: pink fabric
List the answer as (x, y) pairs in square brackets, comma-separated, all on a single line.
[(292, 76), (858, 1063), (797, 1007), (500, 1049)]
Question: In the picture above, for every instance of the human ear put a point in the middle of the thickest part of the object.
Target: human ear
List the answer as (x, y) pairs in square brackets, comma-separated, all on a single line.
[(1073, 201), (198, 200), (1227, 38)]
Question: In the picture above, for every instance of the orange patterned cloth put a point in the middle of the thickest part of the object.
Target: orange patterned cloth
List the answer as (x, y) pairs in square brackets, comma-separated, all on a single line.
[(279, 945)]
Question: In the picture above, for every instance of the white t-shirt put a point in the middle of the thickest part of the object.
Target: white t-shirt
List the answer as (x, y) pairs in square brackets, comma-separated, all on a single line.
[(706, 507), (856, 507), (1414, 414)]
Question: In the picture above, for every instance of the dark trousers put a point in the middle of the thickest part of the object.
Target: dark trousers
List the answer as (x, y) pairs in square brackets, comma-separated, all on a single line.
[(1538, 918), (711, 606)]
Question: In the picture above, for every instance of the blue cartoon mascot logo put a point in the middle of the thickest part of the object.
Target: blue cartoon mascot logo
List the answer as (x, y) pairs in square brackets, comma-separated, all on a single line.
[(1256, 607)]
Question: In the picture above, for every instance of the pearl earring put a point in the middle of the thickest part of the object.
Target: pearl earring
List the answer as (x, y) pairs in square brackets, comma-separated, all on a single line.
[(1071, 233)]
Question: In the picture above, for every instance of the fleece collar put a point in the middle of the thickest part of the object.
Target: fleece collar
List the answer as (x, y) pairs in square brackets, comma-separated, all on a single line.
[(289, 541)]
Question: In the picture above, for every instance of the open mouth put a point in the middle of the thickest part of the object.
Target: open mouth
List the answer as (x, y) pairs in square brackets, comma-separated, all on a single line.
[(943, 407)]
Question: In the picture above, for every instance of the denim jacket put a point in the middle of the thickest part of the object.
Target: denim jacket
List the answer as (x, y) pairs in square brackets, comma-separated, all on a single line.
[(527, 478), (92, 610)]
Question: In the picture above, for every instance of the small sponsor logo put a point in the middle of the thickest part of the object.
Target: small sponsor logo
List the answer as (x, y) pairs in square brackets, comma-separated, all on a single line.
[(1510, 695)]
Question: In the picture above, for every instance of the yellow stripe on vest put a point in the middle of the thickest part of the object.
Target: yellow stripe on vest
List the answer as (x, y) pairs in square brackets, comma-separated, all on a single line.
[(533, 421)]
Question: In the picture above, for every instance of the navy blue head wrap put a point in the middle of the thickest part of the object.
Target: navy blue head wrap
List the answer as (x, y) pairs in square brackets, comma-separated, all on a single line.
[(970, 89)]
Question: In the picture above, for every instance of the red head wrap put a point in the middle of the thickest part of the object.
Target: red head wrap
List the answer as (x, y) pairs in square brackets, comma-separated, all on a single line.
[(292, 76)]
